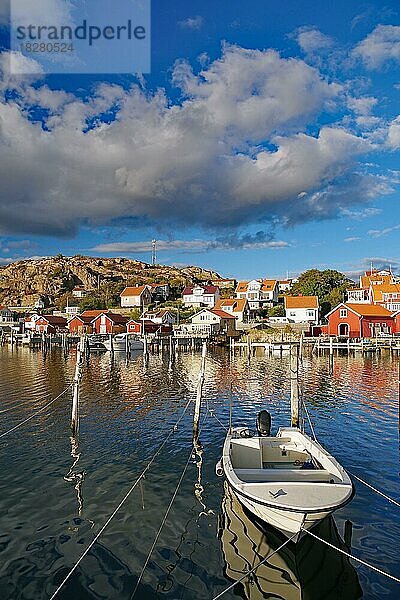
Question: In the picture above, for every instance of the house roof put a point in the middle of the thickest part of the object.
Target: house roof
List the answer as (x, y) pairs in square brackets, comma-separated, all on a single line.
[(83, 318), (268, 285), (221, 313), (386, 288), (242, 286), (93, 313), (208, 289), (301, 302), (137, 290), (367, 310), (54, 320), (238, 304), (374, 279), (114, 317)]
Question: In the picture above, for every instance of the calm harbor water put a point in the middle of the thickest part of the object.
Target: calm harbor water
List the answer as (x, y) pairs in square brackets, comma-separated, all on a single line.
[(54, 497)]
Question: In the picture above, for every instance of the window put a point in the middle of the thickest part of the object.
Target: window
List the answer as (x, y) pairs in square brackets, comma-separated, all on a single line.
[(343, 313), (310, 313), (292, 314)]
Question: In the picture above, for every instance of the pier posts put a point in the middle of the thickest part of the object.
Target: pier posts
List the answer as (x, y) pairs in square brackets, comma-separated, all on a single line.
[(199, 392), (294, 386), (75, 387)]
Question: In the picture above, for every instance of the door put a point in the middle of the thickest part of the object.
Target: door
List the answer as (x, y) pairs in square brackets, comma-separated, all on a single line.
[(343, 330)]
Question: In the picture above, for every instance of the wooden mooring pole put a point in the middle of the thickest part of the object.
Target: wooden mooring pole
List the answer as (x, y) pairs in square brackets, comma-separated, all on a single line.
[(294, 385), (199, 392), (75, 387)]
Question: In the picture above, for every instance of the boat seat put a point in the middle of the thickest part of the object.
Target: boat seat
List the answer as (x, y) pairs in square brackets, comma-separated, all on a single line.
[(283, 475)]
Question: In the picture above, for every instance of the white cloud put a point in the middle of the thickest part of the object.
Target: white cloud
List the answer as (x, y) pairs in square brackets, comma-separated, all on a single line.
[(376, 233), (228, 243), (352, 239), (360, 214), (393, 136), (312, 40), (201, 162), (380, 46), (191, 23), (362, 105)]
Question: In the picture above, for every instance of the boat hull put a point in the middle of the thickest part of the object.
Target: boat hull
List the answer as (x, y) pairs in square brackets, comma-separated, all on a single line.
[(262, 472), (290, 523)]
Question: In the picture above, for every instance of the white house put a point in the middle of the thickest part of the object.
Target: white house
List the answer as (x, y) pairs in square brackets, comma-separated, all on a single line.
[(139, 296), (213, 321), (302, 309), (79, 292), (30, 322), (6, 316), (237, 307), (260, 293), (162, 316), (200, 295), (71, 311)]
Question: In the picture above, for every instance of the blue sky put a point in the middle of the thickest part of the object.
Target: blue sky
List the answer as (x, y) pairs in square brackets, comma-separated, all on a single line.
[(265, 141)]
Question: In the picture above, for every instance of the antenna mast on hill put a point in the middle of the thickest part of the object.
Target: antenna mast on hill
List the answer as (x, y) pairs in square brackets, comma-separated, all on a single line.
[(154, 252)]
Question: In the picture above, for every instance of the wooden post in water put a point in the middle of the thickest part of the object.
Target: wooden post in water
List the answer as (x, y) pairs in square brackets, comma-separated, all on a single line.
[(75, 387), (294, 386), (199, 392), (331, 355)]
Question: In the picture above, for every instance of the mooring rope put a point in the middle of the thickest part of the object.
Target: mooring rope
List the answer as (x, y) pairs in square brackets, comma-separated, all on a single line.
[(254, 568), (139, 478), (309, 418), (36, 413), (146, 562), (375, 489), (166, 514), (352, 557)]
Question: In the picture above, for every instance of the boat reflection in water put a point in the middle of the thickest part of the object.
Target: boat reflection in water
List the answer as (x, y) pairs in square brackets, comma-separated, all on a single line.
[(308, 570)]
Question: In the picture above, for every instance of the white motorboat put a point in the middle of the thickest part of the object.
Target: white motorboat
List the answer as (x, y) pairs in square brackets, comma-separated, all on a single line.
[(123, 341), (287, 480), (296, 572)]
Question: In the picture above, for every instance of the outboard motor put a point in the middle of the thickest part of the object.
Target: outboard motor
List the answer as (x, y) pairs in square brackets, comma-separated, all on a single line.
[(263, 423)]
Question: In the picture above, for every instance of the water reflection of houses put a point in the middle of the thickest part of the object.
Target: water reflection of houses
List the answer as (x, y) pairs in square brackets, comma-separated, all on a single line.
[(308, 570)]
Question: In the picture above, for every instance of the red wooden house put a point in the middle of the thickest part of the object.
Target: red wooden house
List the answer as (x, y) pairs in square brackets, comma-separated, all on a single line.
[(360, 321), (50, 324), (80, 324), (146, 326), (108, 322)]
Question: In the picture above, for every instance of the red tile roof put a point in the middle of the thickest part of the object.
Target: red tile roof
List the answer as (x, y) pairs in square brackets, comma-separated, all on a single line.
[(221, 313), (208, 289), (133, 291), (368, 310), (301, 302)]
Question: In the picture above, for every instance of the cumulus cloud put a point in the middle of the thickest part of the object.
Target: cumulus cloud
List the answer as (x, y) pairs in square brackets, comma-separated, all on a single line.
[(393, 137), (312, 40), (233, 151), (380, 46), (191, 23)]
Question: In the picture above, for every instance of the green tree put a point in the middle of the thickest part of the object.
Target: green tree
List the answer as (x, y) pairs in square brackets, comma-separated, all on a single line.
[(329, 285), (277, 311)]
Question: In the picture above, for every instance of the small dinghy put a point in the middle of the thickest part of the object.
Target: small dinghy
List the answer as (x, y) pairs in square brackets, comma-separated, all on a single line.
[(287, 480)]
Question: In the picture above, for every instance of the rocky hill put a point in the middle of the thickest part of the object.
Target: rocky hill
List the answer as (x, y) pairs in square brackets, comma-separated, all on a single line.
[(23, 282)]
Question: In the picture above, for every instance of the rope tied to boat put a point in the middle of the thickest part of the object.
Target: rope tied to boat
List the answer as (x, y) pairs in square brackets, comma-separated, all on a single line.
[(371, 487), (36, 412), (264, 560), (128, 493), (351, 556)]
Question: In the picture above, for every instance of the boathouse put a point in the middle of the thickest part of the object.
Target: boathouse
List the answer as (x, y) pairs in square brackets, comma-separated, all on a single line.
[(360, 321), (80, 324), (108, 322), (148, 327), (50, 324)]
